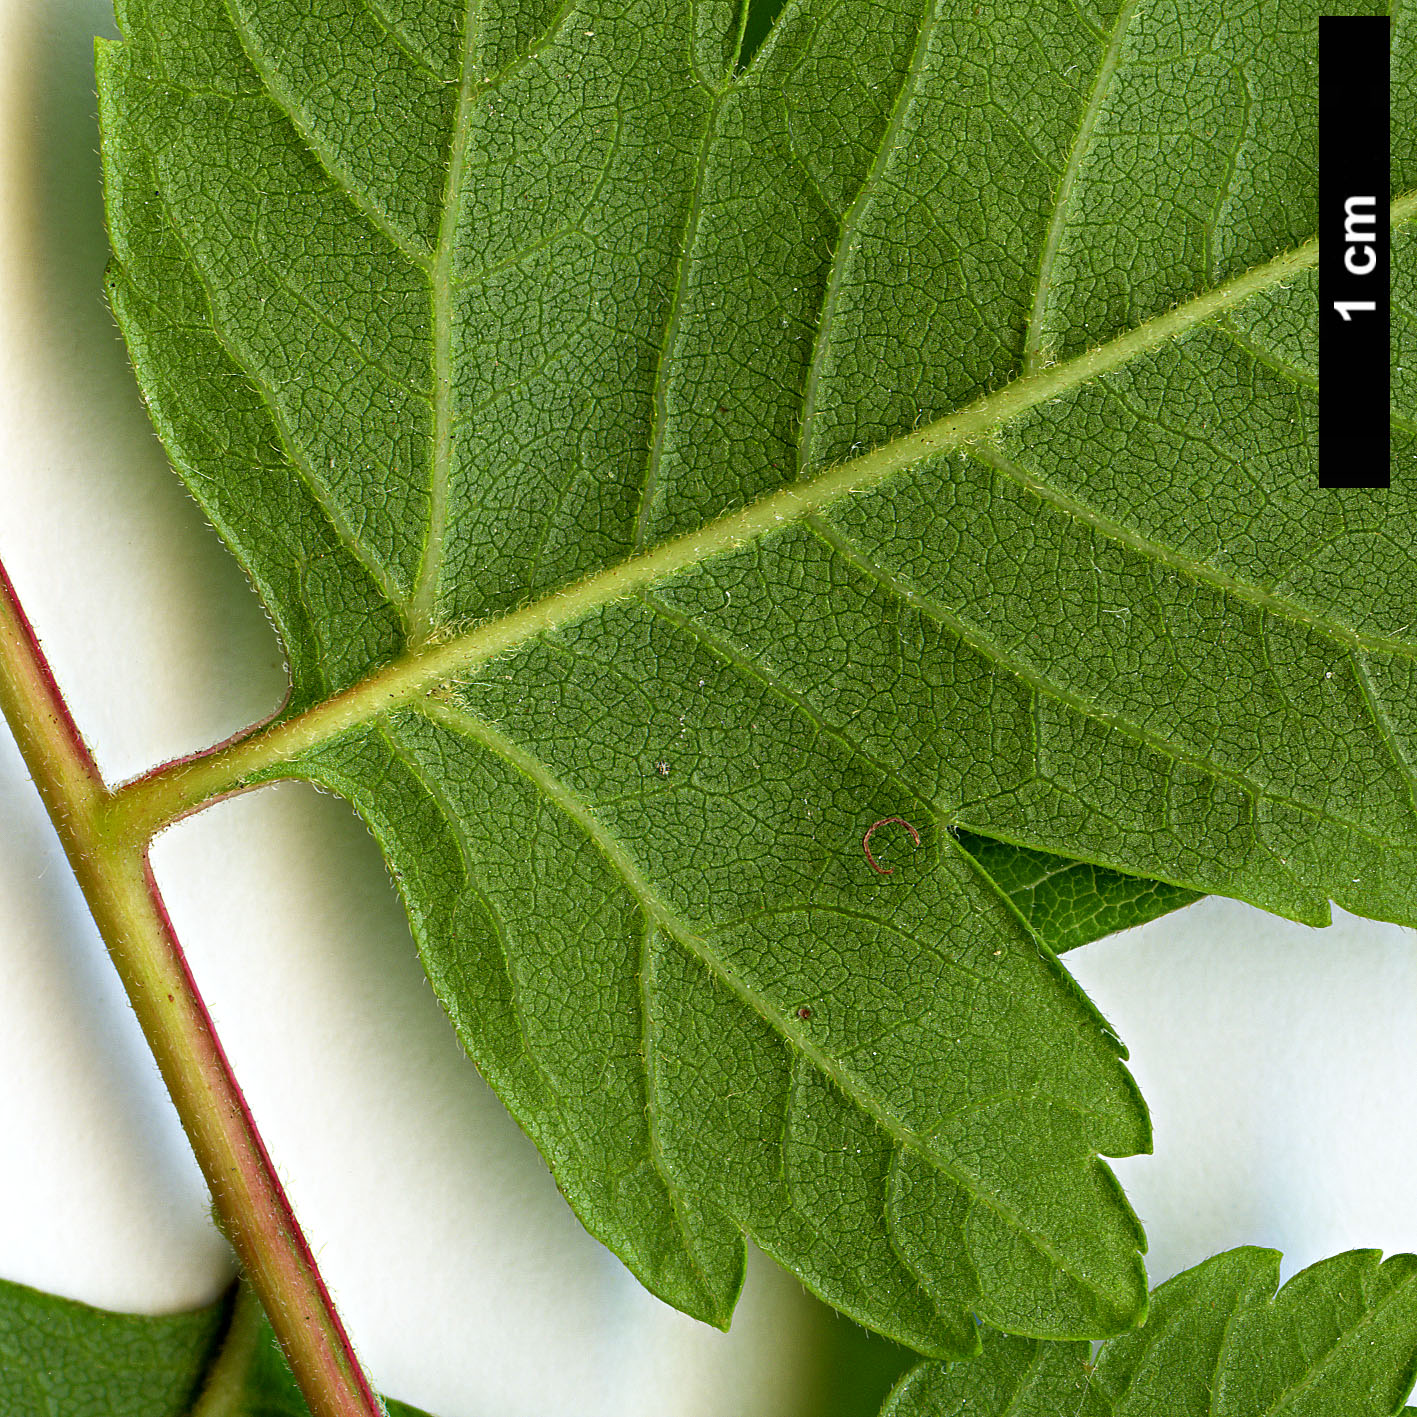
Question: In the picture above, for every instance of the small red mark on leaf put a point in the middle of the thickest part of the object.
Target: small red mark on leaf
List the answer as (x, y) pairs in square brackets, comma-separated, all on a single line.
[(866, 842), (804, 1012)]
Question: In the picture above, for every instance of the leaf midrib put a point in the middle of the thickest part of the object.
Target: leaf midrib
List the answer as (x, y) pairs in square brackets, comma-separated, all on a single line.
[(149, 803), (438, 262)]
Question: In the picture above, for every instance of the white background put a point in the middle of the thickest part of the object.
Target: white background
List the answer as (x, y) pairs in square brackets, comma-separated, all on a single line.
[(1278, 1061)]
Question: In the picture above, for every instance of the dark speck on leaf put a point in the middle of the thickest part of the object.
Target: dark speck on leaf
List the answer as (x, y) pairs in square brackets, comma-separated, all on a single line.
[(804, 1012)]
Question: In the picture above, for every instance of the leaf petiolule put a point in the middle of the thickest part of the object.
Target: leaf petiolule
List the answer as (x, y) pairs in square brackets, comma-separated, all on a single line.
[(1338, 1340), (522, 363)]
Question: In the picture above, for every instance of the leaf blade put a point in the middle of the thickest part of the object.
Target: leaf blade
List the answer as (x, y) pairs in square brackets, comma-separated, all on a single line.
[(891, 685), (61, 1358), (1341, 1336), (1071, 903), (57, 1355)]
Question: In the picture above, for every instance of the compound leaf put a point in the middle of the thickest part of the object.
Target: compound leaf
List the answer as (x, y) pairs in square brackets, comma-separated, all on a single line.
[(531, 336)]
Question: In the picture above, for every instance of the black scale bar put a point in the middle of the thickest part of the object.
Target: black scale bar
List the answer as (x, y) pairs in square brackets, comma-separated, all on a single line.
[(1354, 184)]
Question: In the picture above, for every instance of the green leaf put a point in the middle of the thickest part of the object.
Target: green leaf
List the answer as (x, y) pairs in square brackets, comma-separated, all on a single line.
[(63, 1359), (59, 1358), (445, 325), (1071, 903), (854, 1370), (1338, 1340)]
